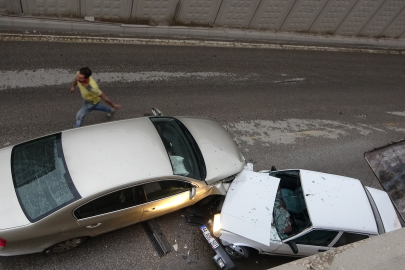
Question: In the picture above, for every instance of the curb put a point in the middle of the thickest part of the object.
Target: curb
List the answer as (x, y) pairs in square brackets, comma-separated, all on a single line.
[(76, 26)]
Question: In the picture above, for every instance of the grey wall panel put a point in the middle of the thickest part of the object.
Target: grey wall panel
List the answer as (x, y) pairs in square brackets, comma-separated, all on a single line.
[(361, 13), (156, 10), (271, 14), (50, 7), (114, 9), (303, 15), (10, 7), (383, 17), (332, 16), (397, 27), (236, 13), (199, 11)]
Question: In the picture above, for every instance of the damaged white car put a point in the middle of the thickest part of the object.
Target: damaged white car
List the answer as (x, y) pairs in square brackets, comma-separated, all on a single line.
[(299, 213)]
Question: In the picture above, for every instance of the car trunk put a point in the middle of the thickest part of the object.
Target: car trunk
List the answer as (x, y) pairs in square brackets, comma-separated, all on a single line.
[(248, 206), (11, 214), (388, 164)]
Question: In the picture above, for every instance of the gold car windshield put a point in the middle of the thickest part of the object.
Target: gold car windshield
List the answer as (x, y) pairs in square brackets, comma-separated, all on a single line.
[(40, 176), (185, 156)]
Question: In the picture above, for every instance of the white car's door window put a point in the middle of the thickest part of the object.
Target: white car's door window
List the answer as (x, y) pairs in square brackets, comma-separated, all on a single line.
[(348, 238), (316, 238)]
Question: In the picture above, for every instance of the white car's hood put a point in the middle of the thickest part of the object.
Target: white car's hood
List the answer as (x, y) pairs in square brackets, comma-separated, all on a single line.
[(248, 206), (11, 214)]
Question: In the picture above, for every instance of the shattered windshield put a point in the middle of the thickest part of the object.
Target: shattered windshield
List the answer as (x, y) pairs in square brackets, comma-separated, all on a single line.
[(290, 215), (184, 154), (40, 176)]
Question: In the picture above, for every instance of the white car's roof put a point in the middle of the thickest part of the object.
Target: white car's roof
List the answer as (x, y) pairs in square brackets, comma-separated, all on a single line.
[(103, 156), (337, 203)]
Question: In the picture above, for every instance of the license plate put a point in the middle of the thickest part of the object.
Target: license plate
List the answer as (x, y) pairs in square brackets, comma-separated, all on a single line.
[(214, 244)]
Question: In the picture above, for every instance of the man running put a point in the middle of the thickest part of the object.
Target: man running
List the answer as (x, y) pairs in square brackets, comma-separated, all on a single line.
[(91, 95)]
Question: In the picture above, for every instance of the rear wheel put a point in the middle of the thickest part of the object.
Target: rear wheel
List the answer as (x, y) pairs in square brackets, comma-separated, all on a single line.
[(238, 253), (66, 245)]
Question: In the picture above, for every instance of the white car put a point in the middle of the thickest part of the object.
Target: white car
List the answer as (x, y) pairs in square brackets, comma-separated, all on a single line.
[(299, 213)]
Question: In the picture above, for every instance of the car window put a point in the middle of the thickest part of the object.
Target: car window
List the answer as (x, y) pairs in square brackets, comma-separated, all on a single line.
[(111, 202), (348, 238), (41, 178), (162, 189), (317, 238), (183, 152)]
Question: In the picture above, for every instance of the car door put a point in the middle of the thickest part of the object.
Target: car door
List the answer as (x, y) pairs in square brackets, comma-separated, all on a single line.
[(310, 243), (165, 196), (346, 238), (112, 211)]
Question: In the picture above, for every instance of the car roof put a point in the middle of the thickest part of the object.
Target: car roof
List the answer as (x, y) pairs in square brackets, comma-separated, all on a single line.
[(337, 203), (101, 157)]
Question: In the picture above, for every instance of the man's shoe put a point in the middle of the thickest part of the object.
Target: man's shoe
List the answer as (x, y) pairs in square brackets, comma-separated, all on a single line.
[(111, 113)]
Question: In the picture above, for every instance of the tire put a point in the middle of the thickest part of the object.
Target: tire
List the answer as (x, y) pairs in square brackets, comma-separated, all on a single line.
[(66, 245), (241, 254)]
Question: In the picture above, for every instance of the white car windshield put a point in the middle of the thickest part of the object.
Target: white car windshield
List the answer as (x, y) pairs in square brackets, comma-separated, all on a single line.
[(40, 176), (290, 215)]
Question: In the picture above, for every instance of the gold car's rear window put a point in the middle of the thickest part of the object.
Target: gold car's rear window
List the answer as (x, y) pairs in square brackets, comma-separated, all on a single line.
[(41, 179)]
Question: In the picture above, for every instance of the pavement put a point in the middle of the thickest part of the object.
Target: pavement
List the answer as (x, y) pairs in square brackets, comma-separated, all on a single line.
[(383, 252), (68, 25)]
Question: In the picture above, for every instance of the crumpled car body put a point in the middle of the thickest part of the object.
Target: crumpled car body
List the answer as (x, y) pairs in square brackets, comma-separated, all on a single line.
[(300, 213)]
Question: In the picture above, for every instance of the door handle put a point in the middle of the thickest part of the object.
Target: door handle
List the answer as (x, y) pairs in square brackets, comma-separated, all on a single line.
[(148, 210), (322, 250), (93, 226)]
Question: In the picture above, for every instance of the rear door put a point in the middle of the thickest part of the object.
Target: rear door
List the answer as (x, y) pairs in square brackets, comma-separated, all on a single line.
[(311, 243), (112, 211)]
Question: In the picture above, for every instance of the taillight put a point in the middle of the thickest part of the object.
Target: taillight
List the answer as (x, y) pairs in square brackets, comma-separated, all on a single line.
[(2, 243)]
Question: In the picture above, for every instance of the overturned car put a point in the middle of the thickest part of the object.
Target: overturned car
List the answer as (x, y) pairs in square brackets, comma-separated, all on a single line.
[(299, 213)]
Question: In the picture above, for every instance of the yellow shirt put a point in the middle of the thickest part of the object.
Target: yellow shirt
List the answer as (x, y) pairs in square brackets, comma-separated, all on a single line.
[(90, 92)]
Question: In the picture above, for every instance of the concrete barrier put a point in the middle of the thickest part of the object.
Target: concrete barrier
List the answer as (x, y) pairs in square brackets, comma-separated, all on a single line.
[(378, 18)]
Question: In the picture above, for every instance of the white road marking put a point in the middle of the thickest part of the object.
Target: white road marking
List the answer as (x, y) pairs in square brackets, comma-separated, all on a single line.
[(293, 80), (398, 113), (49, 77), (188, 42), (288, 131)]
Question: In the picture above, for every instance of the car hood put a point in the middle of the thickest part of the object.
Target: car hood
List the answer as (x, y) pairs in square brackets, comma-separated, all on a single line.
[(11, 214), (248, 207), (221, 155)]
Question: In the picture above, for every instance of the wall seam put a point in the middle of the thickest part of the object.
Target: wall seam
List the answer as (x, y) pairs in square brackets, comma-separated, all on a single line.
[(21, 6), (254, 14), (216, 16), (344, 19), (393, 20), (132, 8), (319, 14), (378, 9), (282, 24)]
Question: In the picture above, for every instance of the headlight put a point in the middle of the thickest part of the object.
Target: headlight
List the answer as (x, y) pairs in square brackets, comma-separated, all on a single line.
[(217, 225)]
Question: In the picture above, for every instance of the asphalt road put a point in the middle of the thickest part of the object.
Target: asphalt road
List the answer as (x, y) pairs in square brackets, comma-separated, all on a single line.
[(293, 109)]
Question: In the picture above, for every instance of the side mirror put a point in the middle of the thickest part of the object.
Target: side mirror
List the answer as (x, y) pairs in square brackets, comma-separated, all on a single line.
[(156, 112), (293, 246), (193, 191), (273, 168)]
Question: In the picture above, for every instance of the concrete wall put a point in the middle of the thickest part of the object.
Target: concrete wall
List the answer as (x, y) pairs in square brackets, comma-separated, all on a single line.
[(378, 18)]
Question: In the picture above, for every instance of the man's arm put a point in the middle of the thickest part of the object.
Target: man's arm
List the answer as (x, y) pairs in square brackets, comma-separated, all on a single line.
[(110, 102), (72, 88)]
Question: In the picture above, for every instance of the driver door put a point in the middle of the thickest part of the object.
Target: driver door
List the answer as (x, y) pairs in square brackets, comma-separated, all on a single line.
[(165, 196), (310, 243)]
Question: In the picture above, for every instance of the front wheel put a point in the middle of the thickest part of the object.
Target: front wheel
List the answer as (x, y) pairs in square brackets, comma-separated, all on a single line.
[(66, 245), (238, 253)]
